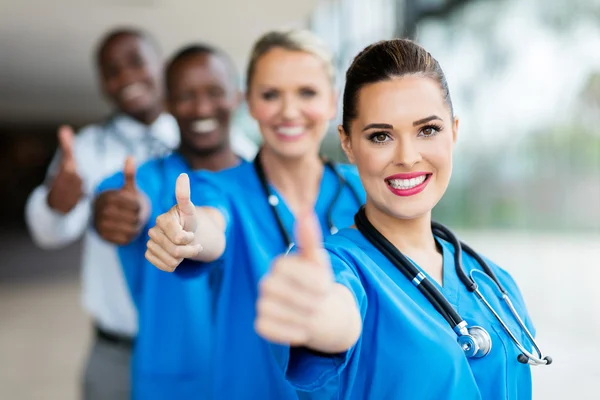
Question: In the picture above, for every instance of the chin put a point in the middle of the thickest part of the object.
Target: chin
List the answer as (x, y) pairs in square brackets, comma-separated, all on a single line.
[(207, 148), (294, 150), (138, 106)]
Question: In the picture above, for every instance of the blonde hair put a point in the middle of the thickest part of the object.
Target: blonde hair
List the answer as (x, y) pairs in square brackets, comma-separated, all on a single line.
[(292, 40)]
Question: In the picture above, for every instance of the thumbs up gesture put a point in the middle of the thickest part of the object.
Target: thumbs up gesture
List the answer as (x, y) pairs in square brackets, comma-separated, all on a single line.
[(117, 213), (291, 296), (173, 237), (66, 189)]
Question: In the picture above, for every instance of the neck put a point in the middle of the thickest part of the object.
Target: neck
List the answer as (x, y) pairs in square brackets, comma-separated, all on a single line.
[(296, 179), (214, 161), (147, 117), (409, 236)]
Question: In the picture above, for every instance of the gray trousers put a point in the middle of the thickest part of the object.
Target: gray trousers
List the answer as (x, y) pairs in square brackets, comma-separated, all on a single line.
[(107, 374)]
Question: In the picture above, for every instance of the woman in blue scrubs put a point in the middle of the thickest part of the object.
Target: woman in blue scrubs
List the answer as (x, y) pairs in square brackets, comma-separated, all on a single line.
[(354, 325), (242, 218)]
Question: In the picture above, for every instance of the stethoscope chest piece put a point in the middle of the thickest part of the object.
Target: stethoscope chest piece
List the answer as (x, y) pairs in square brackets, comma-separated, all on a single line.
[(477, 343)]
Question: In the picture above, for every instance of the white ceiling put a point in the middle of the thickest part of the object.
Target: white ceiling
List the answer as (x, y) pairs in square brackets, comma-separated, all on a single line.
[(46, 67)]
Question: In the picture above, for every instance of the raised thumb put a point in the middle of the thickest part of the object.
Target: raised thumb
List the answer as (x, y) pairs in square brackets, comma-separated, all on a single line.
[(66, 138), (309, 238), (129, 174), (187, 211)]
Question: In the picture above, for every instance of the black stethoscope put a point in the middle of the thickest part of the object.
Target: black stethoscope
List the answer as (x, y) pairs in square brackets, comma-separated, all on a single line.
[(475, 341), (273, 200)]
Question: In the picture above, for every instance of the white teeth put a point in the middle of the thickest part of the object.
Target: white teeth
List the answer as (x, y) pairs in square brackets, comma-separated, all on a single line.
[(404, 184), (205, 125), (291, 131), (132, 91)]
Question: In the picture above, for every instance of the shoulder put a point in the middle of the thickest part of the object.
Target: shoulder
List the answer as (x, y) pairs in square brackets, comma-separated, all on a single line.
[(221, 187), (346, 170), (350, 173), (86, 137), (226, 178), (150, 167), (344, 249), (504, 277), (153, 174)]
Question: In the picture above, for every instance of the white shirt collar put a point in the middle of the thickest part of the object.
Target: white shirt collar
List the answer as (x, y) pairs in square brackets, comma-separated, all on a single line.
[(164, 128)]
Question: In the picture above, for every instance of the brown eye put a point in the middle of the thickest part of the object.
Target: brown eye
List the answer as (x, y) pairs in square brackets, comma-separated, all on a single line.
[(429, 131), (379, 137)]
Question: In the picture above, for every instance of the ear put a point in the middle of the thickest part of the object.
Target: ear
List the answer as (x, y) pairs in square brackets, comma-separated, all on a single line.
[(346, 143), (455, 130)]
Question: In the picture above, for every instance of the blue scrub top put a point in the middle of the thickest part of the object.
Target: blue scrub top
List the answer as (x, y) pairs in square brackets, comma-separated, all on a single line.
[(407, 350), (244, 365), (173, 352)]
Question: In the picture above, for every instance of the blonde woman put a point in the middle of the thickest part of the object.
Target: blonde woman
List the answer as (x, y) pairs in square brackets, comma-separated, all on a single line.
[(241, 218)]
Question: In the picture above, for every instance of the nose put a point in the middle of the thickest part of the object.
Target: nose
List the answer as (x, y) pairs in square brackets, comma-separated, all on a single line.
[(407, 153), (125, 76), (203, 107), (290, 108)]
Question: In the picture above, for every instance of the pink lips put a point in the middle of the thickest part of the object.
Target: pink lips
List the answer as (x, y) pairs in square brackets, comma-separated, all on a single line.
[(412, 191)]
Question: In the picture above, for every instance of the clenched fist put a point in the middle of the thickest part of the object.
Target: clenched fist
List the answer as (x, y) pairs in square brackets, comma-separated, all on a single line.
[(296, 288), (172, 239), (117, 213)]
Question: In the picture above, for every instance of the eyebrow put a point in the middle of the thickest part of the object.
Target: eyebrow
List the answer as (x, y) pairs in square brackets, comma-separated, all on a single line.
[(378, 126), (388, 126), (425, 120)]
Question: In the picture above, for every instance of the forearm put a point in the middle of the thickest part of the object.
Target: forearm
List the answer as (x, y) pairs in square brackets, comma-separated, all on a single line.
[(210, 234), (338, 323), (50, 229)]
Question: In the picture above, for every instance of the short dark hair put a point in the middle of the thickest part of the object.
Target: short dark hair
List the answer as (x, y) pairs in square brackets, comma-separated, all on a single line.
[(120, 32), (195, 50), (385, 60)]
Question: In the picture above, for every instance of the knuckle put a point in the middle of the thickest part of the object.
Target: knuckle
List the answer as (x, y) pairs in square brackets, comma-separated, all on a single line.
[(178, 238), (177, 252), (266, 286), (280, 265), (172, 264)]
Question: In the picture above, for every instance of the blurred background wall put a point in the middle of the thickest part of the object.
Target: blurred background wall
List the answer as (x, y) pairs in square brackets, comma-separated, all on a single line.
[(525, 80)]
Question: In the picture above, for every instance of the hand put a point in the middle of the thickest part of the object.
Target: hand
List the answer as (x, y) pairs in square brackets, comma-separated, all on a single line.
[(293, 292), (117, 213), (173, 237), (66, 189)]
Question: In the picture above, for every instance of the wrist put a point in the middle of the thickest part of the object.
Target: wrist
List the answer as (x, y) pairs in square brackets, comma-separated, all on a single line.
[(337, 325)]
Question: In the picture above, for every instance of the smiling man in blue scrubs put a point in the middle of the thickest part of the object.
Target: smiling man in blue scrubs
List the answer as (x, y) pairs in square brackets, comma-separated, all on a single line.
[(172, 354)]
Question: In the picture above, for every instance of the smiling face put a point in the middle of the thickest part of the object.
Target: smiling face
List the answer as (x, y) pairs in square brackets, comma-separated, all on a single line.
[(130, 74), (292, 99), (402, 141), (202, 97)]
